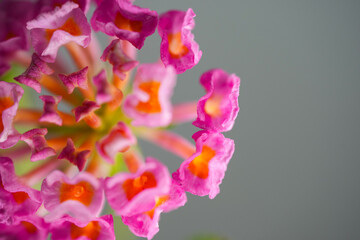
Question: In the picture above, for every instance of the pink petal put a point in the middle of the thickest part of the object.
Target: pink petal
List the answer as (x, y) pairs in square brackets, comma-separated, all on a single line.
[(178, 47), (119, 139), (10, 95), (203, 172), (218, 109), (34, 72), (124, 20), (49, 31), (75, 157), (126, 201), (146, 106), (76, 79), (35, 138), (50, 109)]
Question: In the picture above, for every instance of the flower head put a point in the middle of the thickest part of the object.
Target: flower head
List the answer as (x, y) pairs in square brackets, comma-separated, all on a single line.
[(95, 103)]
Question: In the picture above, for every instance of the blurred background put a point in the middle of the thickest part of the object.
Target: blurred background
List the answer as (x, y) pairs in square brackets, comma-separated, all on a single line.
[(295, 172)]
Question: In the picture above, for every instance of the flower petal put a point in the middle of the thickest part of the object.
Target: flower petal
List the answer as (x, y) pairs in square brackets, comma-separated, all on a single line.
[(178, 47), (218, 109), (202, 173)]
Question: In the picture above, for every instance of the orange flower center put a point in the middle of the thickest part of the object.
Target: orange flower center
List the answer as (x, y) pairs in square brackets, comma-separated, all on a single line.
[(152, 105), (69, 26), (127, 24), (132, 187), (5, 103), (159, 201), (176, 48), (82, 192), (212, 106), (30, 228), (199, 166), (91, 231)]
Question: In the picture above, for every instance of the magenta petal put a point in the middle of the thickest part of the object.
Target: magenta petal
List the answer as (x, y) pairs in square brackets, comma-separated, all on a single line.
[(119, 139), (124, 20), (121, 62), (103, 228), (49, 31), (221, 150), (178, 47), (28, 227), (103, 95), (124, 202), (76, 158), (154, 74), (16, 200), (83, 110), (147, 224), (10, 95), (50, 109), (218, 109), (76, 79), (83, 4), (34, 72), (83, 202), (35, 138)]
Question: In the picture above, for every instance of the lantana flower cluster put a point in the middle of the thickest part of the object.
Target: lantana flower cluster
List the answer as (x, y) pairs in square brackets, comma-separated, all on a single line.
[(85, 123)]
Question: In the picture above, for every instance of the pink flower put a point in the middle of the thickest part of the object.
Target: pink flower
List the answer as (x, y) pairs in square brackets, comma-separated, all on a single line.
[(178, 47), (202, 173), (124, 20), (217, 110), (16, 199), (103, 94), (76, 79), (78, 158), (68, 228), (121, 62), (35, 138), (118, 140), (28, 227), (81, 197), (33, 74), (149, 104), (147, 224), (49, 31), (10, 95), (133, 193), (50, 109)]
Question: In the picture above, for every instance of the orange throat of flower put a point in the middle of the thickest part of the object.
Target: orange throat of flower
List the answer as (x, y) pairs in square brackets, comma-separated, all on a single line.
[(132, 187), (152, 105), (176, 47), (5, 103), (199, 166), (69, 26), (82, 192)]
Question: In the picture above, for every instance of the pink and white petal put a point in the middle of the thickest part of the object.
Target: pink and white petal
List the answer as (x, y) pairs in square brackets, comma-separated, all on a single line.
[(59, 201), (119, 139), (178, 47), (50, 30), (127, 203), (124, 20), (151, 77), (218, 109), (99, 228), (27, 227), (203, 172), (10, 95)]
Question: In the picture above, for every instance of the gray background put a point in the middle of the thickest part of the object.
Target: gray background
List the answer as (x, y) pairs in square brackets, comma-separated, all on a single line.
[(296, 170)]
